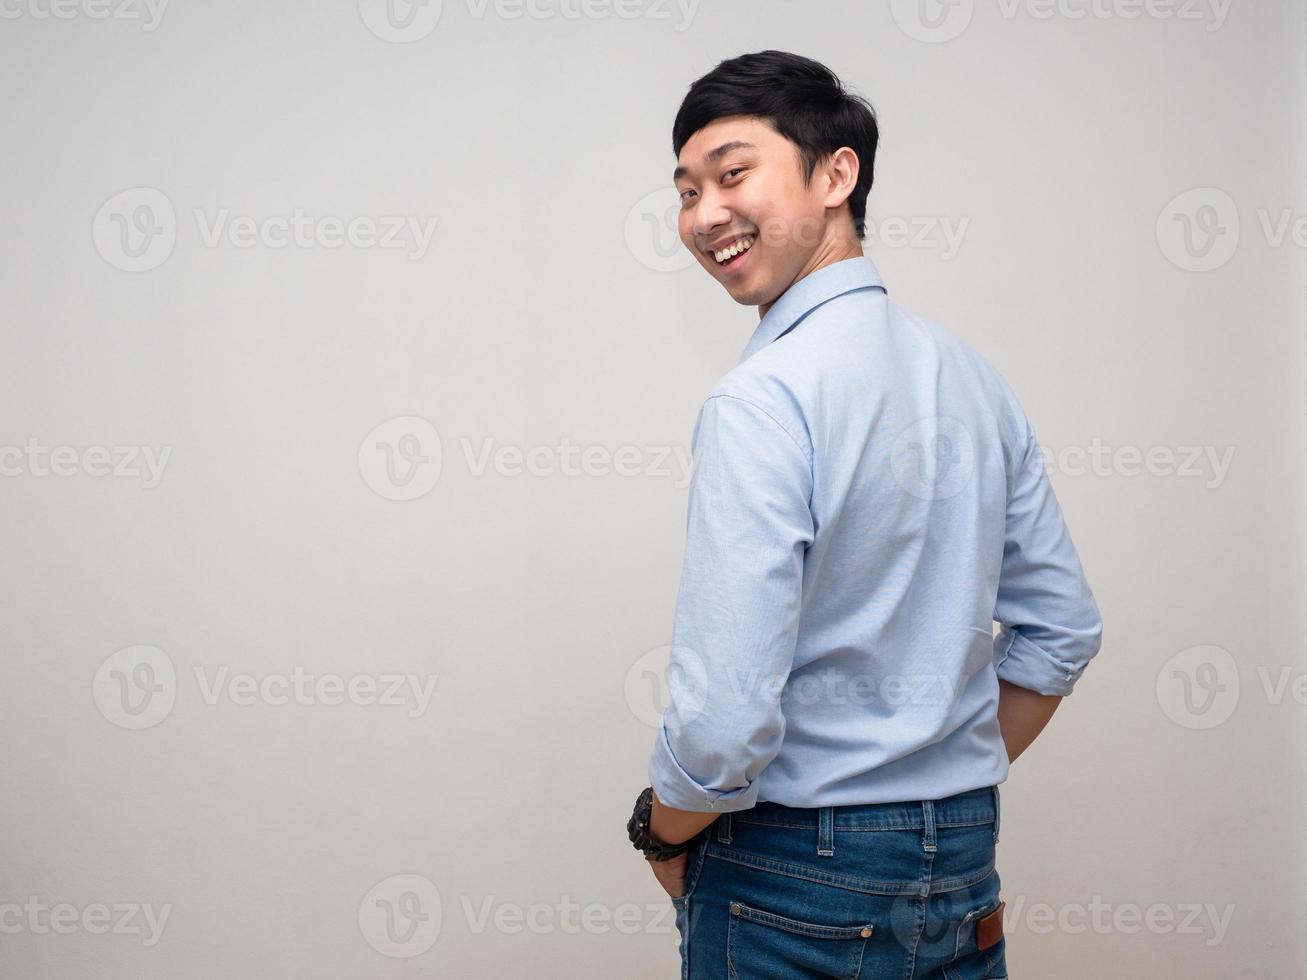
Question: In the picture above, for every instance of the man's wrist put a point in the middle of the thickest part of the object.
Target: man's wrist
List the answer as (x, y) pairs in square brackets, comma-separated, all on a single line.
[(656, 839), (640, 831)]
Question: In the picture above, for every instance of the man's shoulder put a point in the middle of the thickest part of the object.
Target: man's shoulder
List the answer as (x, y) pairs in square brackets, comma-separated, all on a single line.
[(973, 368), (835, 343), (956, 348), (755, 386), (942, 337)]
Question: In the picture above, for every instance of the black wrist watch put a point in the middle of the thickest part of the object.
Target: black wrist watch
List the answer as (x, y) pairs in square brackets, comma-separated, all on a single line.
[(637, 828)]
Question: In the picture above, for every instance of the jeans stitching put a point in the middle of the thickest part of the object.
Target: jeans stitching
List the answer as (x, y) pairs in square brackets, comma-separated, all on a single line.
[(810, 930), (794, 926), (813, 875), (907, 825), (694, 867)]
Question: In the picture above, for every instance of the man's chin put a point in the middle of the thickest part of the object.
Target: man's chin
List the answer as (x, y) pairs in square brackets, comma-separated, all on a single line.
[(744, 298), (746, 294)]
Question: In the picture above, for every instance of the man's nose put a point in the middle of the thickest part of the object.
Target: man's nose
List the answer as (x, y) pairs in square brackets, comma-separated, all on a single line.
[(710, 215)]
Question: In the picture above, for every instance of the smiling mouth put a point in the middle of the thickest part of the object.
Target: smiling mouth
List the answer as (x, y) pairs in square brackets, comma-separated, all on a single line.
[(734, 254)]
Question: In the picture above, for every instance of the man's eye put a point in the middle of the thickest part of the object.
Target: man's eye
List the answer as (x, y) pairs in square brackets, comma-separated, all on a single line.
[(735, 170)]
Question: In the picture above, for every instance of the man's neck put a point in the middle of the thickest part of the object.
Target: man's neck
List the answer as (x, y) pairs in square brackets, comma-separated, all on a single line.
[(826, 254)]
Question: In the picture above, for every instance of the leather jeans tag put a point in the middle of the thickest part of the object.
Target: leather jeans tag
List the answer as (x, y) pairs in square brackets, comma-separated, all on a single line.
[(989, 929)]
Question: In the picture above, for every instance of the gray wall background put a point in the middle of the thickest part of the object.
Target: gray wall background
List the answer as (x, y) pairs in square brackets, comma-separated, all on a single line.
[(456, 463)]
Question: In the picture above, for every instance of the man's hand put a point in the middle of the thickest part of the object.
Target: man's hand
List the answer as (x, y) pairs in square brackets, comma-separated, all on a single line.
[(671, 874), (668, 825), (1022, 715)]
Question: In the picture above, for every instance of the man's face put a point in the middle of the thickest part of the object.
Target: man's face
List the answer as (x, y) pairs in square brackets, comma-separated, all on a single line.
[(753, 190)]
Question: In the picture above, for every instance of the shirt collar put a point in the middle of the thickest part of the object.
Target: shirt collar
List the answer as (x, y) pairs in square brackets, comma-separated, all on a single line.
[(809, 293)]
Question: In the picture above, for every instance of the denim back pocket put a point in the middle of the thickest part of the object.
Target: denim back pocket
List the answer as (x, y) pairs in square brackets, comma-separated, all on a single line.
[(763, 944)]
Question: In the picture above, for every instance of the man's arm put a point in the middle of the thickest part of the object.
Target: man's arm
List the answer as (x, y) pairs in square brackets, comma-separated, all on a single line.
[(737, 615), (672, 826), (1022, 715), (1051, 626)]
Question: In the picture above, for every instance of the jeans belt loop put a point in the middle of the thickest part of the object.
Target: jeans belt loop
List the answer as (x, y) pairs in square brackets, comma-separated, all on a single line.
[(826, 831)]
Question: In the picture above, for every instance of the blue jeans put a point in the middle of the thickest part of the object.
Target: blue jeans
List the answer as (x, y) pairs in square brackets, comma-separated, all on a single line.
[(858, 892)]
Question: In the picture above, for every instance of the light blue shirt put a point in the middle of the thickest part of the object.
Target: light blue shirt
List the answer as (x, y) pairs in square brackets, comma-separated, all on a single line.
[(867, 498)]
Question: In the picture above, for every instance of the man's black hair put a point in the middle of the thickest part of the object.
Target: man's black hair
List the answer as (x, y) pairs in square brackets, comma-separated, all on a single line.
[(802, 99)]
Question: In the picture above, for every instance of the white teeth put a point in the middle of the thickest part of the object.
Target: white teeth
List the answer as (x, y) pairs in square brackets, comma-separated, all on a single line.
[(743, 245)]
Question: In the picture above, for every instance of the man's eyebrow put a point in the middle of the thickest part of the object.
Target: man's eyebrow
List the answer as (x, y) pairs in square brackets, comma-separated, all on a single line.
[(713, 156)]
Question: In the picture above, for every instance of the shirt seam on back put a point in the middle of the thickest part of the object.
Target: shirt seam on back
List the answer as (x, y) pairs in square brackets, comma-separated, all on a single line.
[(779, 424)]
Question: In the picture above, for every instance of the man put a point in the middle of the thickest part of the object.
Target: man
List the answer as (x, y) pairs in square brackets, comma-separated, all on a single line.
[(867, 499)]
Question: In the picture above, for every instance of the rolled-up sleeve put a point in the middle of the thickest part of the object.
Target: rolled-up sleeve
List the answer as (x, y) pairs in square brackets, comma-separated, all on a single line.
[(737, 608), (1050, 623)]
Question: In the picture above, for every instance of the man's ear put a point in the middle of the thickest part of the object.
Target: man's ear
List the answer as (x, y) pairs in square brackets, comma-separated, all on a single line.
[(841, 174)]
